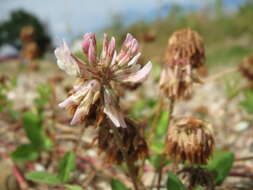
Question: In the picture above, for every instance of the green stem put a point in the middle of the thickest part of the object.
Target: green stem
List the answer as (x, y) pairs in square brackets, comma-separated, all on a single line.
[(163, 160)]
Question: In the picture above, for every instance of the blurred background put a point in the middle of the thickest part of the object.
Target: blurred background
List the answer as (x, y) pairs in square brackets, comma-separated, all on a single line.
[(32, 85), (226, 25)]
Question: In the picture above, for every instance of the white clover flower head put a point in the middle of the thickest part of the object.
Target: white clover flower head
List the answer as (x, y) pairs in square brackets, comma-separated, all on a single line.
[(99, 72)]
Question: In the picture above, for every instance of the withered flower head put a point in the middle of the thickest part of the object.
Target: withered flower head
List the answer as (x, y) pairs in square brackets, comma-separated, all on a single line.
[(246, 67), (191, 140), (193, 177), (133, 141), (93, 90), (186, 44), (185, 53), (177, 79)]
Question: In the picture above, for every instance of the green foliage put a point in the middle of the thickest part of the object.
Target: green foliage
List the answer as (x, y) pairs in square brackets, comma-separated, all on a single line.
[(162, 124), (157, 147), (73, 187), (10, 29), (227, 55), (157, 159), (5, 104), (66, 166), (38, 140), (231, 87), (44, 91), (173, 183), (34, 131), (141, 107), (220, 165), (25, 153), (117, 185), (43, 177), (247, 103)]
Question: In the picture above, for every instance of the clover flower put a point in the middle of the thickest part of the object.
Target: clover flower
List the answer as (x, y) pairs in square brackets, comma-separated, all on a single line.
[(94, 91), (191, 140), (185, 53)]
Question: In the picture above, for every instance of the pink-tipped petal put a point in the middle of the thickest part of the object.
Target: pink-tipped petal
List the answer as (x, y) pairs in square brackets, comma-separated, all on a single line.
[(114, 58), (134, 47), (92, 52), (128, 40), (86, 41), (139, 76), (111, 47), (105, 46), (125, 47)]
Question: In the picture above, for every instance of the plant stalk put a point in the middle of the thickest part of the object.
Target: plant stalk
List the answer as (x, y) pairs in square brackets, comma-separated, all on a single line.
[(163, 160)]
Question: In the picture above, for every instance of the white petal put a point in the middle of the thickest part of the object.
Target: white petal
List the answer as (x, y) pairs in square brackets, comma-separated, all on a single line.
[(88, 99), (134, 59), (138, 76), (112, 112), (65, 60)]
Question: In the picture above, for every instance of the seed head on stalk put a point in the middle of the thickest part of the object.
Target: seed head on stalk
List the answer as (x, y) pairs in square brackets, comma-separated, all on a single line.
[(190, 139), (185, 53), (133, 142), (93, 93)]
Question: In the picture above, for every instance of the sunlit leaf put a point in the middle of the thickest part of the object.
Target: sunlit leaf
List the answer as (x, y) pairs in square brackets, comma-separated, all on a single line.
[(162, 124), (221, 164), (157, 147), (43, 177), (34, 131), (73, 187), (66, 166)]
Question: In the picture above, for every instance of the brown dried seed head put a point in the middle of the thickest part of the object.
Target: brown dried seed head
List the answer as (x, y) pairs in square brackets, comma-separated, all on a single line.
[(134, 144), (246, 67), (186, 44), (193, 177), (191, 140)]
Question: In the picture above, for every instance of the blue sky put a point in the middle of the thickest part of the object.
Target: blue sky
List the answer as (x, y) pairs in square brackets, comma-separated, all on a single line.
[(73, 17)]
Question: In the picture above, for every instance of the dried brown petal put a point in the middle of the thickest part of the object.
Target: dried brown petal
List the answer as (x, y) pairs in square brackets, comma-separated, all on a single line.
[(191, 140), (177, 79), (186, 44), (193, 177), (133, 142)]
